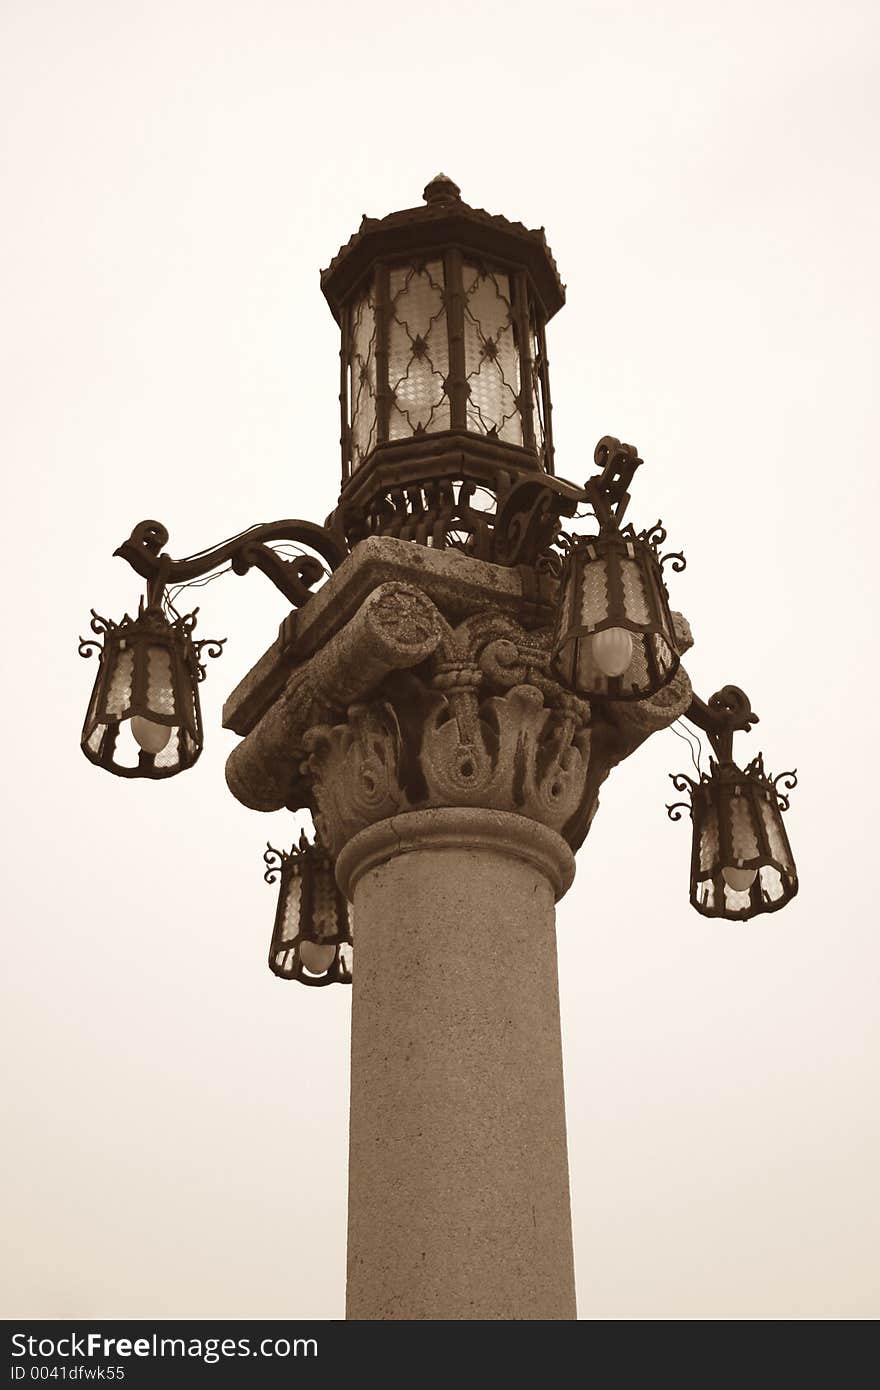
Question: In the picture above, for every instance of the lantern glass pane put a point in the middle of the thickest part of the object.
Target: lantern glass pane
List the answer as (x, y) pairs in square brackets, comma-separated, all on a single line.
[(537, 390), (169, 756), (292, 902), (594, 594), (635, 600), (362, 371), (324, 921), (735, 901), (743, 837), (160, 684), (119, 692), (708, 829), (775, 837), (418, 350), (772, 885), (492, 365)]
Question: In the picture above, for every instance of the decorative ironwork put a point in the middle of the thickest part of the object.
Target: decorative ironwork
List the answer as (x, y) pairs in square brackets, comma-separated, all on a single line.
[(311, 940), (253, 548), (741, 860), (147, 685), (507, 523)]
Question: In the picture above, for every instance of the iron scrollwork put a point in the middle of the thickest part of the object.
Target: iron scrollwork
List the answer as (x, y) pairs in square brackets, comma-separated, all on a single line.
[(144, 551)]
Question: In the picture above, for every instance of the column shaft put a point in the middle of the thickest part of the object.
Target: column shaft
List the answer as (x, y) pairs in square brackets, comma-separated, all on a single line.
[(458, 1187)]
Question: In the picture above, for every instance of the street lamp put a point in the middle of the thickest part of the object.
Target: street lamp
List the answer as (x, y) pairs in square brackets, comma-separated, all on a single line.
[(461, 669), (741, 860), (149, 670), (447, 442), (311, 941), (614, 634)]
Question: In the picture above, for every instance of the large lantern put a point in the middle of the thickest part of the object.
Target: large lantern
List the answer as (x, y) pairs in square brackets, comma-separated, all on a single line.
[(144, 718), (741, 861), (442, 311), (311, 941), (614, 632)]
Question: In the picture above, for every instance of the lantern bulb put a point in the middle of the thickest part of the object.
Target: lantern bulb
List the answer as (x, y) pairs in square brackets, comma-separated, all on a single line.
[(316, 957), (612, 650), (151, 736), (740, 880)]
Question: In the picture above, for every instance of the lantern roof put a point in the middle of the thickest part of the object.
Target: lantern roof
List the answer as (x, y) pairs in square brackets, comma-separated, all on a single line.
[(443, 221)]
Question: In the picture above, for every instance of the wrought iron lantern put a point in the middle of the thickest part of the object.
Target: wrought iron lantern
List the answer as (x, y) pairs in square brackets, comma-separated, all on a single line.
[(311, 941), (741, 860), (143, 717), (614, 632)]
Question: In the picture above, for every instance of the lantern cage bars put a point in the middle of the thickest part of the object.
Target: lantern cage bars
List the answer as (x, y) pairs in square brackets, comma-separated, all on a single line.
[(311, 939)]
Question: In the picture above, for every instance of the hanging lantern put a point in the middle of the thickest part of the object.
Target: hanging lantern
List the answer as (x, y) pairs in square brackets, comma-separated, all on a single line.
[(144, 718), (614, 633), (741, 861), (311, 941)]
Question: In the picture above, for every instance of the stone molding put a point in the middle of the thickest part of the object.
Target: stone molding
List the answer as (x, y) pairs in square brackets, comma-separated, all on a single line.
[(457, 829)]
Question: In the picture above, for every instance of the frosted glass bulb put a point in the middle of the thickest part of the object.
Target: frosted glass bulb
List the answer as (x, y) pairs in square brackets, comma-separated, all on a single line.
[(151, 736), (315, 957), (612, 650), (740, 880)]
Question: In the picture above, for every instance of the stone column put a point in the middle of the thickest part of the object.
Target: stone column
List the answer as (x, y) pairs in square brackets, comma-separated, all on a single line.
[(443, 804), (412, 708), (458, 1172)]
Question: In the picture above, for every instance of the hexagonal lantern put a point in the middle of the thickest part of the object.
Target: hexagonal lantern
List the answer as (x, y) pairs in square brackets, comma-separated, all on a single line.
[(147, 685), (444, 365), (311, 939), (741, 860)]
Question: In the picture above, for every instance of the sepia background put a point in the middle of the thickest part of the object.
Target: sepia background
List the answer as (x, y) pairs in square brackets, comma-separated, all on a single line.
[(174, 176)]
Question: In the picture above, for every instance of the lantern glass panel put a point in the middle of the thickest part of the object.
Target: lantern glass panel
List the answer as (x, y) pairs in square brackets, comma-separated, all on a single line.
[(362, 376), (775, 833), (160, 681), (418, 351), (635, 600), (119, 691), (537, 367), (492, 362)]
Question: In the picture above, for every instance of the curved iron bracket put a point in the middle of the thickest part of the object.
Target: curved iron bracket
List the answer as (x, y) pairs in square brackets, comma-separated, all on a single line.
[(144, 552), (725, 712)]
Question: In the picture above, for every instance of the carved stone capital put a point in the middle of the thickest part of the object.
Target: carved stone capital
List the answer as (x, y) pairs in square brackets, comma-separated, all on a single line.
[(424, 748), (420, 698)]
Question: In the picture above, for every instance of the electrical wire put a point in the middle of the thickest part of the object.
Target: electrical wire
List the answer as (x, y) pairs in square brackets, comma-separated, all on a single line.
[(690, 739)]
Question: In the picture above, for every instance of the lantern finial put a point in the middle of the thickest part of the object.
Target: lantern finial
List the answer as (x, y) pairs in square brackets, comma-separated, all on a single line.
[(441, 189)]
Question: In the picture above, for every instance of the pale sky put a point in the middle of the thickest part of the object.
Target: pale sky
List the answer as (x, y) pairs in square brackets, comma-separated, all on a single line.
[(174, 176)]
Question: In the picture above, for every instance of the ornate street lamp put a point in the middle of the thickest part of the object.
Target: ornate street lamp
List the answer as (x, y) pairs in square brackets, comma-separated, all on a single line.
[(311, 941), (614, 633), (147, 685), (447, 442), (446, 706), (741, 861)]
